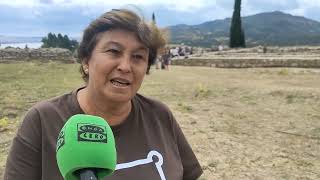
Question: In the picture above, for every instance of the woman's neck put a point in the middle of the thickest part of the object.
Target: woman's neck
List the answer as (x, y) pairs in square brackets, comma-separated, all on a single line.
[(113, 113)]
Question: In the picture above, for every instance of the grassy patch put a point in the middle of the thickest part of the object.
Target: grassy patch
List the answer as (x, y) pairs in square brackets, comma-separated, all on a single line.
[(24, 84), (184, 107), (291, 97), (4, 124), (240, 108), (283, 72), (202, 91)]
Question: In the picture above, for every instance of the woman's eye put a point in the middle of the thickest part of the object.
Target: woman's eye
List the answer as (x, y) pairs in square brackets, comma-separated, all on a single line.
[(138, 57), (113, 51)]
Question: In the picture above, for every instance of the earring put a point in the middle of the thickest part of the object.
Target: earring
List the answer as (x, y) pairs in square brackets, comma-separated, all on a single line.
[(85, 68)]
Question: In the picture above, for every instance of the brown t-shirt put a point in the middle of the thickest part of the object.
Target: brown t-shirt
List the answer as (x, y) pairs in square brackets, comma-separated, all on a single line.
[(150, 144)]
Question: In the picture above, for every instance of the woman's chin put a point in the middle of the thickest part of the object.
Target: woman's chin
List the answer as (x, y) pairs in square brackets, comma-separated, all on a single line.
[(119, 97)]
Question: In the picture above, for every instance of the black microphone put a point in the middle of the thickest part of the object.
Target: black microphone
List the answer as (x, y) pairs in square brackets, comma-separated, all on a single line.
[(87, 174)]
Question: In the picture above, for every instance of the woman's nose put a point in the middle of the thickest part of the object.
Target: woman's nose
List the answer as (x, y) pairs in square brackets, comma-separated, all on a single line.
[(124, 64)]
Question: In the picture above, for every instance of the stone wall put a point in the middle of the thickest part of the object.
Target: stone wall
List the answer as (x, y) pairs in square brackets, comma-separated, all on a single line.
[(41, 54), (301, 56), (249, 62)]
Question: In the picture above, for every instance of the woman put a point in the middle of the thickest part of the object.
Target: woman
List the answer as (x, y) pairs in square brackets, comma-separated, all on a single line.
[(116, 51)]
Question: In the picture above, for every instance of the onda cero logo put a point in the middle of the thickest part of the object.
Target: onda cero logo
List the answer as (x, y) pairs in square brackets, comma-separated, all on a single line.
[(92, 133), (61, 140)]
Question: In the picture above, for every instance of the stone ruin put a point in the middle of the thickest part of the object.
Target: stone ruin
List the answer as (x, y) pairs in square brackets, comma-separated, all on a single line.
[(260, 56), (41, 54)]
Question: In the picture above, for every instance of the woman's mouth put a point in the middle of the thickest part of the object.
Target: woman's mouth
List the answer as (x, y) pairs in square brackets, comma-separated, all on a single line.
[(119, 82)]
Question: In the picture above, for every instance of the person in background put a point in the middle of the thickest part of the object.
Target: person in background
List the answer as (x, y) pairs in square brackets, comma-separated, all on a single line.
[(158, 63), (116, 52), (166, 58)]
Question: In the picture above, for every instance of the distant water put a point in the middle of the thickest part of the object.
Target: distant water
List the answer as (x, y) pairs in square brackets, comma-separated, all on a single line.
[(22, 45)]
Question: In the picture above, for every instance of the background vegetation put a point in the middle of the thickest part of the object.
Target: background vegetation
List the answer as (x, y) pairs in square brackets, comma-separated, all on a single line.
[(59, 41)]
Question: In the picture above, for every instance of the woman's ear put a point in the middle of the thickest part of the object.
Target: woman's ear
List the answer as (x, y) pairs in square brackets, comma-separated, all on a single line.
[(85, 68)]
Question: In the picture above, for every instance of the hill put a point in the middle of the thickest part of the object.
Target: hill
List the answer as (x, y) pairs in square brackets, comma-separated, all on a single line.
[(270, 28)]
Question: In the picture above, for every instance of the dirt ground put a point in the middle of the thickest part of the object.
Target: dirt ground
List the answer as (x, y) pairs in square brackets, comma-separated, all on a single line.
[(242, 123), (247, 123)]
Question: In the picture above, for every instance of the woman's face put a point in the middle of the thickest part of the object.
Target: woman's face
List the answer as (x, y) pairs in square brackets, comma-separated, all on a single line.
[(117, 66)]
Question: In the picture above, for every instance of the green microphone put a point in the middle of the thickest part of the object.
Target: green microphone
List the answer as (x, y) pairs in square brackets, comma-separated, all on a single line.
[(86, 148)]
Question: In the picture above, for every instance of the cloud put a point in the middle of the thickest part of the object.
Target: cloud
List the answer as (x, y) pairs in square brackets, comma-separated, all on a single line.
[(218, 7), (178, 5), (309, 3), (71, 16), (18, 3), (307, 8), (40, 21), (256, 6)]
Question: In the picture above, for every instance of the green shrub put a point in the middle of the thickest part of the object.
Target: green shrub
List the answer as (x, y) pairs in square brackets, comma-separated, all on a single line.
[(283, 72), (4, 123), (202, 91)]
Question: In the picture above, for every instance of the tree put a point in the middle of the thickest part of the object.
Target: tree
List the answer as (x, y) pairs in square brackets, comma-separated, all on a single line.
[(153, 18), (59, 41), (74, 45), (237, 37)]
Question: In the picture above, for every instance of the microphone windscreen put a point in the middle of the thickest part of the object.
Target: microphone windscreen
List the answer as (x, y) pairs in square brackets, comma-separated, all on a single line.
[(86, 142)]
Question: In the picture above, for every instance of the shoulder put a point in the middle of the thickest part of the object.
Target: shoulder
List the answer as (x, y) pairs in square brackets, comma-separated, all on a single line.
[(156, 114), (46, 109), (45, 115), (49, 105), (150, 104), (53, 103)]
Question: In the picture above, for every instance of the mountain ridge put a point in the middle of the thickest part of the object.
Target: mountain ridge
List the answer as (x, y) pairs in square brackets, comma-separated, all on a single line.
[(267, 28)]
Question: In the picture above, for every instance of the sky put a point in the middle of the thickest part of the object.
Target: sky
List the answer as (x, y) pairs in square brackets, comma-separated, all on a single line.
[(38, 17)]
